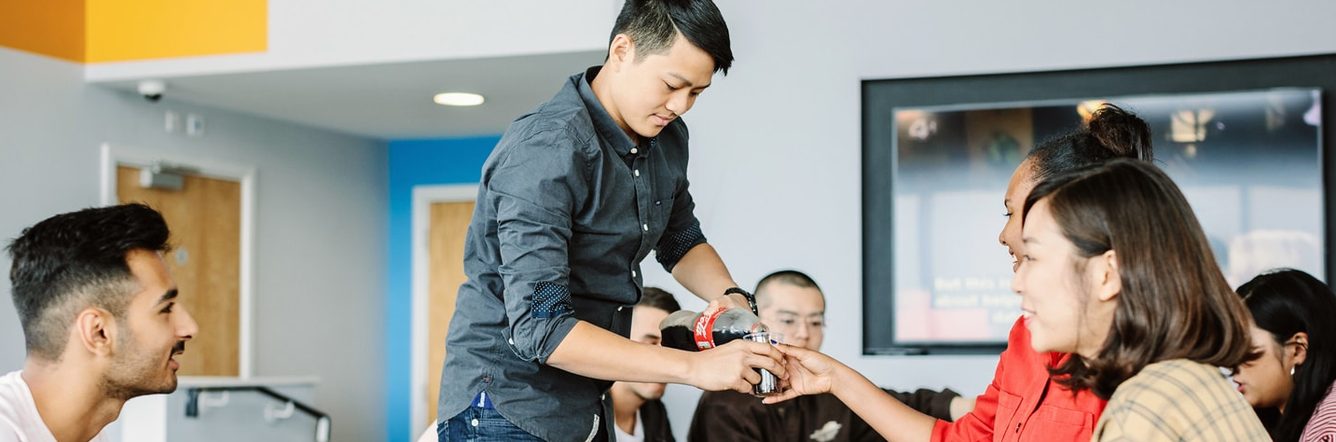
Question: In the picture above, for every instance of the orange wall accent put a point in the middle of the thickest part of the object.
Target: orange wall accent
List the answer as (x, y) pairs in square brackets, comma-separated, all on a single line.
[(93, 31), (121, 30), (48, 27)]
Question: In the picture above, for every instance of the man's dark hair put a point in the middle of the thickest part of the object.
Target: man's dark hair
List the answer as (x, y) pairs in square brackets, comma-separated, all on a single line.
[(76, 260), (658, 298), (788, 277), (652, 26)]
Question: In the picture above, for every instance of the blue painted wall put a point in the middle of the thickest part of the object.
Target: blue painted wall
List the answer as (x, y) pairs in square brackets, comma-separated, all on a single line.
[(413, 163)]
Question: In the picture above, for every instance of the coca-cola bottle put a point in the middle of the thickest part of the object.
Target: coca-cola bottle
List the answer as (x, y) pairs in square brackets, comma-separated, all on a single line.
[(691, 331)]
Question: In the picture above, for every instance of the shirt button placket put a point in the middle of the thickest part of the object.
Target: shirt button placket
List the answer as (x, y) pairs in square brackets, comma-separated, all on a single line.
[(642, 202)]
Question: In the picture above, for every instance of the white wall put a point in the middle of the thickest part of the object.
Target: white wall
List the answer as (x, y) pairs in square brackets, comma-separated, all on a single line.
[(775, 145), (319, 33), (320, 226)]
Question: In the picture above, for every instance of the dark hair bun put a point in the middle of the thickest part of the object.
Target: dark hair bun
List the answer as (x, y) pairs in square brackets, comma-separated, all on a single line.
[(1122, 133)]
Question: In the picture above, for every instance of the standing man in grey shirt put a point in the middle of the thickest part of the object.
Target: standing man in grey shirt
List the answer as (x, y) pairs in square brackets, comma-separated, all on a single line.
[(576, 194)]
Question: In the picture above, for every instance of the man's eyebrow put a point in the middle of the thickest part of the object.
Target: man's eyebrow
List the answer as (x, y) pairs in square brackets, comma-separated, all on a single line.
[(170, 295), (686, 82)]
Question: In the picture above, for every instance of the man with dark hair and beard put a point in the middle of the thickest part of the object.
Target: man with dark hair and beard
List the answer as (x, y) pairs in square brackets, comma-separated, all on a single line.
[(100, 319)]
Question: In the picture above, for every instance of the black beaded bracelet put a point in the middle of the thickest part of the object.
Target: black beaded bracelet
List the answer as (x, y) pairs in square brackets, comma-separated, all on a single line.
[(751, 299)]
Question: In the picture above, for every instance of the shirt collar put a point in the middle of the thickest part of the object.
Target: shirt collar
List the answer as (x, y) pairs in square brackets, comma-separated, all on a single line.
[(603, 123)]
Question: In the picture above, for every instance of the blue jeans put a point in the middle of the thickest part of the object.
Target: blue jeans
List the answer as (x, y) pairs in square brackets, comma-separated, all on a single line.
[(477, 424)]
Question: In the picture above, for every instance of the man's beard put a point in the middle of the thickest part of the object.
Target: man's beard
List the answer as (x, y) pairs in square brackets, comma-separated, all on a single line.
[(136, 372)]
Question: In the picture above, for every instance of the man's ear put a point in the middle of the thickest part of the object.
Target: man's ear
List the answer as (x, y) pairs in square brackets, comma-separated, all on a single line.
[(95, 330), (1108, 282), (621, 51)]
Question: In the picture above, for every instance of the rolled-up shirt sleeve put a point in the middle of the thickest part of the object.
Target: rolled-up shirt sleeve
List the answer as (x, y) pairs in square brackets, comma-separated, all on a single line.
[(683, 231), (535, 191)]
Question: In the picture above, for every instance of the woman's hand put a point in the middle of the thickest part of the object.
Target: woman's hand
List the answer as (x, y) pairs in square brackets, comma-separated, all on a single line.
[(809, 372)]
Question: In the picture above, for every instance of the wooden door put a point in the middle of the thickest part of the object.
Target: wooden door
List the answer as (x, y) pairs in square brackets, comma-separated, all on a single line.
[(446, 233), (205, 221)]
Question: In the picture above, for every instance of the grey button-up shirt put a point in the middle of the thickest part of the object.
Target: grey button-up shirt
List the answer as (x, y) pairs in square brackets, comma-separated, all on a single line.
[(568, 208)]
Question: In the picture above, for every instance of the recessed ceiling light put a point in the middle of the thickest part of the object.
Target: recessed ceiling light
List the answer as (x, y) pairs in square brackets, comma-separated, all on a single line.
[(458, 99)]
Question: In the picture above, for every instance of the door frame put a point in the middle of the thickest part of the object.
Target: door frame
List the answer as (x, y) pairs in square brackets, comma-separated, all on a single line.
[(423, 197), (118, 155)]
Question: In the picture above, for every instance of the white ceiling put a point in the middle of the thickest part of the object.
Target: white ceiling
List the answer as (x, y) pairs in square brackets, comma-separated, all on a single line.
[(388, 101)]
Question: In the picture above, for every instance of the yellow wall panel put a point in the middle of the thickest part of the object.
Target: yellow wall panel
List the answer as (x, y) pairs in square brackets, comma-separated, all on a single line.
[(48, 27), (120, 30)]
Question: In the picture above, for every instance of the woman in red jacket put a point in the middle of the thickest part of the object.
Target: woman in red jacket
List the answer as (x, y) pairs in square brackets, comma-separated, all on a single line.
[(1022, 403)]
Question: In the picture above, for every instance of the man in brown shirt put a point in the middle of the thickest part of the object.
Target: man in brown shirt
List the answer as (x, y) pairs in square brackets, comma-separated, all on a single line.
[(791, 303)]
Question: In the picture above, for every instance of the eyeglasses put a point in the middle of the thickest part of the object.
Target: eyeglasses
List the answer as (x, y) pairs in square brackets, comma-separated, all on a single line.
[(794, 323)]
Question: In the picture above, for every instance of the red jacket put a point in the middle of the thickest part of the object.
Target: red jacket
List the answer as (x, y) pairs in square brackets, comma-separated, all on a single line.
[(1023, 403)]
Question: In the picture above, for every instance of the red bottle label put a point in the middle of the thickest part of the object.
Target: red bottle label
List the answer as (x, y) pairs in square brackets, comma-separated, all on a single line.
[(704, 330)]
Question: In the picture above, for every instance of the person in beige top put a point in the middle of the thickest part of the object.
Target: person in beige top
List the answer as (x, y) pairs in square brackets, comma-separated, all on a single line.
[(1117, 270)]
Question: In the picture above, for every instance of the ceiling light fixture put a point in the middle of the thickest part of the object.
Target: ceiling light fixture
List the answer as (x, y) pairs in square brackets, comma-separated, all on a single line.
[(458, 99)]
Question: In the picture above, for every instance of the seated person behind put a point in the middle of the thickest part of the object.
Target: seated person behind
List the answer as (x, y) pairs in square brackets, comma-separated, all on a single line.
[(100, 322), (638, 413), (1290, 382), (791, 303)]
